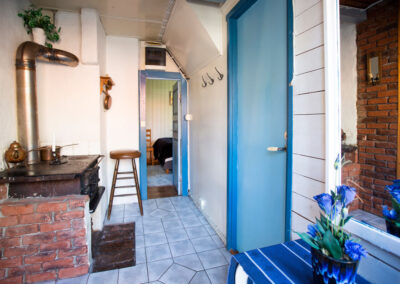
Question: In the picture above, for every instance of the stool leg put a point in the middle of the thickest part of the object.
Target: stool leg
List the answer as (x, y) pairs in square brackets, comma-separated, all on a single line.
[(110, 204), (137, 186)]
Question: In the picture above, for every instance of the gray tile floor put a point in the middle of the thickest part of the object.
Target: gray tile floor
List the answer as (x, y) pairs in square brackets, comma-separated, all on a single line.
[(156, 176), (174, 244), (371, 219)]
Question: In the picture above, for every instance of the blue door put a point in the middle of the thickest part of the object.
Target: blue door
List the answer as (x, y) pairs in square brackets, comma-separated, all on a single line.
[(260, 115), (175, 136)]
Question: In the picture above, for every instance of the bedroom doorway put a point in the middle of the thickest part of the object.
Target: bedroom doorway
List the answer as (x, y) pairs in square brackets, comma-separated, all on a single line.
[(161, 118), (163, 134)]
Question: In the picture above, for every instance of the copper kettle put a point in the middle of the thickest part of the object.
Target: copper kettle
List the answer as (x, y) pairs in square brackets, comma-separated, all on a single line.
[(15, 153)]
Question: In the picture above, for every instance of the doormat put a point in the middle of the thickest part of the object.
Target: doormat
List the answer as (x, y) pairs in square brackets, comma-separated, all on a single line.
[(113, 247), (161, 191)]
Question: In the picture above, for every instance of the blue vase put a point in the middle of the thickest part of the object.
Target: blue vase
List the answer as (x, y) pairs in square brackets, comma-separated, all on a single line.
[(328, 270)]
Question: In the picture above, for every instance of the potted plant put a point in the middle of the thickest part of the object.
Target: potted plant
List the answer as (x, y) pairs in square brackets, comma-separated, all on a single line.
[(393, 216), (40, 26), (335, 254)]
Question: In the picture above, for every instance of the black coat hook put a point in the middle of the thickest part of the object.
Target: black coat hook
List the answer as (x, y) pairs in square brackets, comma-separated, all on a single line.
[(204, 82), (220, 75), (211, 79)]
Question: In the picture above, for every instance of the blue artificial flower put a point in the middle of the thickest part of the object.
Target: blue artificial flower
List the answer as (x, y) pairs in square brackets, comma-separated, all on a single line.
[(390, 214), (354, 250), (312, 230), (347, 194), (396, 195), (394, 187), (326, 203)]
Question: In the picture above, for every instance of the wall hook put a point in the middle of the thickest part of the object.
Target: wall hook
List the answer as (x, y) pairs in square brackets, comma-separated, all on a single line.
[(204, 82), (220, 75), (211, 79)]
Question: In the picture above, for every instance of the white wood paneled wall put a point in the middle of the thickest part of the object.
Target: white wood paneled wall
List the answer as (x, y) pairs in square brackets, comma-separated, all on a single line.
[(308, 112), (158, 109)]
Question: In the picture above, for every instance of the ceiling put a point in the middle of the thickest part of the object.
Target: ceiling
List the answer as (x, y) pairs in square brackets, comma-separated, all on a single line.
[(143, 19), (361, 4)]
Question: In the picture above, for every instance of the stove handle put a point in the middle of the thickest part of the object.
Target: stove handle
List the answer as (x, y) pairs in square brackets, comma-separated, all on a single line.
[(101, 157)]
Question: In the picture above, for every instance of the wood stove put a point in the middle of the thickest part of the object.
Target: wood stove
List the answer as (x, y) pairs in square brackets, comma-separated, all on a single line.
[(76, 175)]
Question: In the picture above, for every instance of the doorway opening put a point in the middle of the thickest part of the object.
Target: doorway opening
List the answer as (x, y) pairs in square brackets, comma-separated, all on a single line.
[(161, 117), (163, 138)]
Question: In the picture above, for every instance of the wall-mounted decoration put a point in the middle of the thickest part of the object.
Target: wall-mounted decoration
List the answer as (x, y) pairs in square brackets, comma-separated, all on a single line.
[(374, 67), (106, 84)]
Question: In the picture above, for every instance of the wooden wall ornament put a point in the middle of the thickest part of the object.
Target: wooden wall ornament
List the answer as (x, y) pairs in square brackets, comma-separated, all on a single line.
[(106, 84)]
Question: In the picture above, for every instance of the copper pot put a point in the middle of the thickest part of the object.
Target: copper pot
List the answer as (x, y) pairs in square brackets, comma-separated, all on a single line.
[(46, 154), (15, 153)]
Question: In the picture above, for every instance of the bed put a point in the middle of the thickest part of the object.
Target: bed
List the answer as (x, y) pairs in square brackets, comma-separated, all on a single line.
[(162, 149)]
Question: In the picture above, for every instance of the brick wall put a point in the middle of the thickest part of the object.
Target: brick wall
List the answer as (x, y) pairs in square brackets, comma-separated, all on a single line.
[(43, 239), (377, 106)]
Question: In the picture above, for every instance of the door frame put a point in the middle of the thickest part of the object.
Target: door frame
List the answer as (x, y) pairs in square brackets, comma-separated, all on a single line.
[(241, 7), (162, 75)]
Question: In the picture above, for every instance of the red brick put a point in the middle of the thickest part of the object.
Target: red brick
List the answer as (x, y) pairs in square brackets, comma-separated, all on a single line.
[(21, 270), (13, 280), (41, 257), (19, 251), (52, 207), (8, 221), (378, 113), (10, 210), (377, 101), (21, 230), (56, 226), (55, 245), (80, 260), (2, 273), (77, 203), (79, 242), (59, 263), (73, 272), (78, 223), (38, 238), (34, 218), (69, 234), (69, 215), (39, 277), (12, 242), (385, 158), (11, 262), (72, 252)]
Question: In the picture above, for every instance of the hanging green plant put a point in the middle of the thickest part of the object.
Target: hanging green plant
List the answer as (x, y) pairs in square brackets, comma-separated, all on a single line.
[(33, 18)]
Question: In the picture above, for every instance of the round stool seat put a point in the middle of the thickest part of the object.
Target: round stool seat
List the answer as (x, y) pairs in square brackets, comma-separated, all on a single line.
[(124, 154)]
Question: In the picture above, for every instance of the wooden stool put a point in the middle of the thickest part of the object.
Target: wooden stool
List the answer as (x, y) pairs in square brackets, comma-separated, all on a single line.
[(120, 155)]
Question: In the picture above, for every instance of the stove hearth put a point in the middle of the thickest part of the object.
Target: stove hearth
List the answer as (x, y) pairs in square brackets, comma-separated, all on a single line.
[(78, 175)]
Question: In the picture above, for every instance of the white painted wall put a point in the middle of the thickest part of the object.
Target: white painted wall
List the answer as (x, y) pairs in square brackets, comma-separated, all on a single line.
[(158, 108), (191, 43), (308, 112), (348, 68), (123, 118), (12, 34), (208, 140)]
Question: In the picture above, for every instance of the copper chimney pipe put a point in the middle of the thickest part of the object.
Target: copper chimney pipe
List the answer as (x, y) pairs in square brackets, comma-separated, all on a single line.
[(27, 53)]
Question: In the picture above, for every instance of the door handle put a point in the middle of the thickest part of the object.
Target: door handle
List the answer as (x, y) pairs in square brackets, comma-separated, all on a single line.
[(276, 149)]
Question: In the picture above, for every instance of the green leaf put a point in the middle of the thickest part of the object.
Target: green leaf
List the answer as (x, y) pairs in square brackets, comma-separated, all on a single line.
[(332, 245), (347, 219), (307, 238), (396, 205), (320, 227)]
